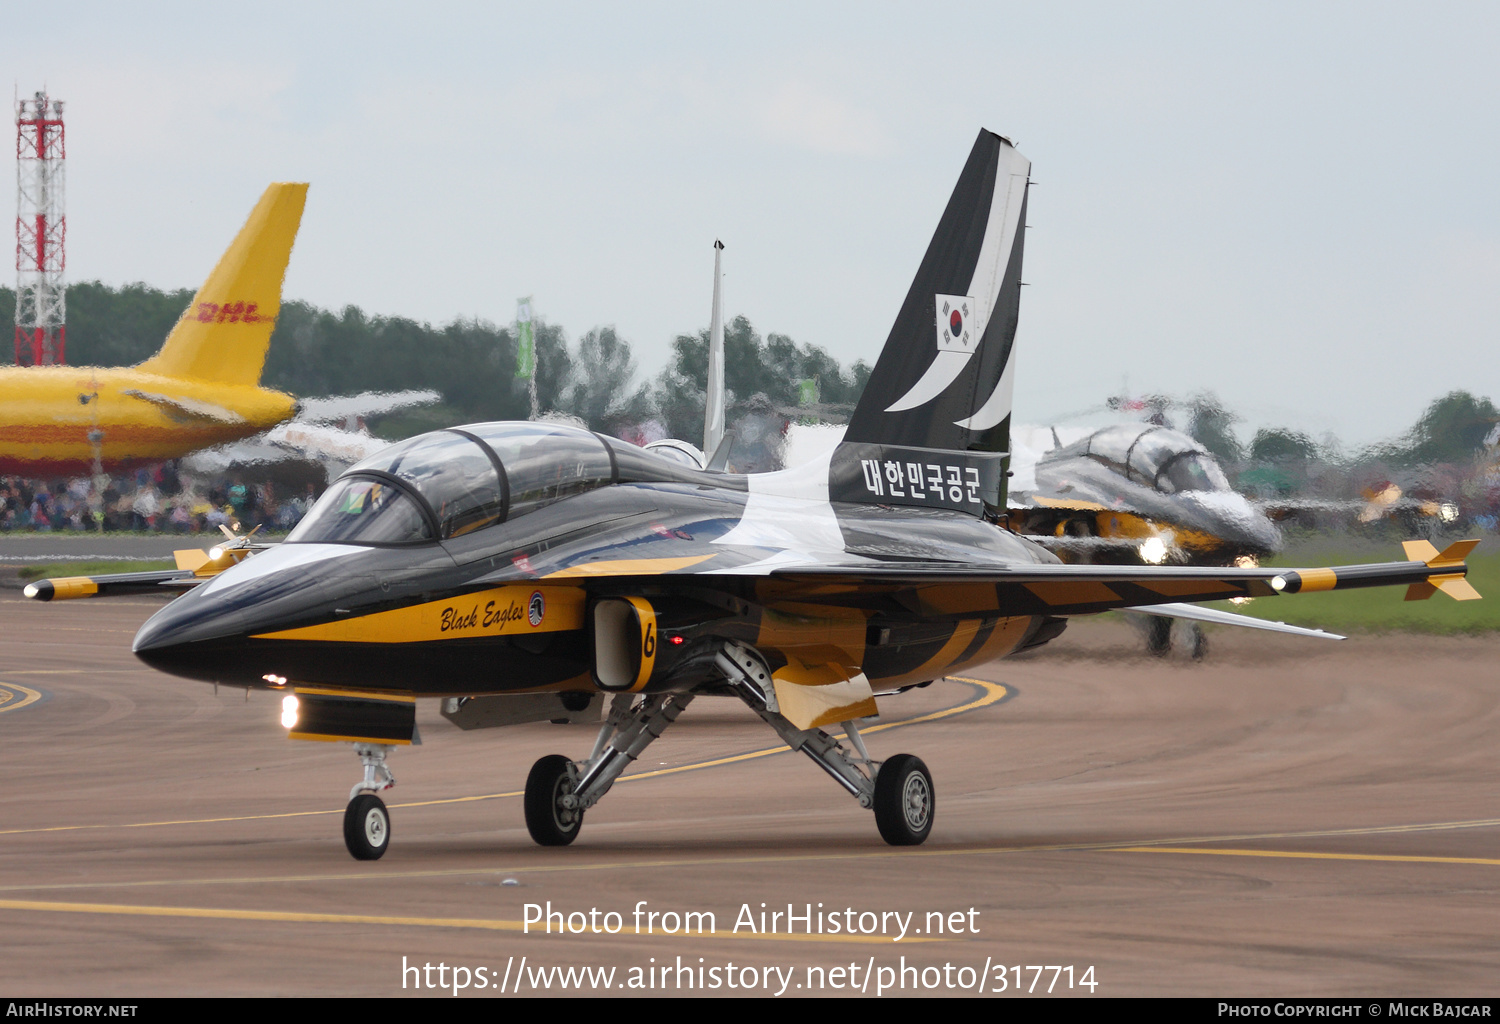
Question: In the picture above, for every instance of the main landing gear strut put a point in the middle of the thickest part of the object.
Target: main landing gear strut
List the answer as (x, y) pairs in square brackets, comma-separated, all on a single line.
[(558, 791)]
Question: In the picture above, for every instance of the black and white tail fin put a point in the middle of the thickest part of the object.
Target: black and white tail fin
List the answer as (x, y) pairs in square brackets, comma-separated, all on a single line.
[(933, 425)]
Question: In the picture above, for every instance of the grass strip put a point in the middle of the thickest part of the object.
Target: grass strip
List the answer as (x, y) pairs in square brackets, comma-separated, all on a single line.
[(1380, 609), (42, 572)]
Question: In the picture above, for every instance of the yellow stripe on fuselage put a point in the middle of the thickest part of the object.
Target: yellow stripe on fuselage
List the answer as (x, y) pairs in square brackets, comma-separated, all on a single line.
[(627, 567), (502, 611)]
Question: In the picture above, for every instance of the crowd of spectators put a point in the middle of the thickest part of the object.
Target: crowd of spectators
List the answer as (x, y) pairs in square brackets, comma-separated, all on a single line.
[(152, 499)]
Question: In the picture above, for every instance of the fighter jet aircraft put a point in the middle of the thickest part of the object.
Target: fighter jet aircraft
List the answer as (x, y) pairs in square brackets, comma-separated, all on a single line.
[(519, 571), (1141, 493)]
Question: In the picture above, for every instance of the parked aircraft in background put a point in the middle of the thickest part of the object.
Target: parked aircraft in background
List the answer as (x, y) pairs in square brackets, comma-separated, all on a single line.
[(1142, 492), (201, 389), (1138, 493), (525, 571)]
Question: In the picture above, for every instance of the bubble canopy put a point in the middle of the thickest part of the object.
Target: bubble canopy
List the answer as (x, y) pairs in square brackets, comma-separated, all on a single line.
[(1153, 456), (452, 482)]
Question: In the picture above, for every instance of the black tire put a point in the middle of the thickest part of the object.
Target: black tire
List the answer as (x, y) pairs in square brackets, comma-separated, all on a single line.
[(367, 827), (905, 801), (1199, 643), (549, 823), (1159, 636)]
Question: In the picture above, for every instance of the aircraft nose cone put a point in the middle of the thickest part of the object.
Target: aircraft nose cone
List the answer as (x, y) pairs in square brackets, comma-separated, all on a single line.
[(1234, 520), (181, 638), (206, 633), (1265, 534)]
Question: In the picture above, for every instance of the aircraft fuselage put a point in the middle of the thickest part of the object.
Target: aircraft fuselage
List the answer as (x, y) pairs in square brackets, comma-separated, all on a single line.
[(67, 420), (486, 614)]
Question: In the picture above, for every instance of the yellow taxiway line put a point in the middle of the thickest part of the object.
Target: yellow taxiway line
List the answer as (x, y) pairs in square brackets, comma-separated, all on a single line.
[(1149, 846), (14, 696), (302, 917), (1394, 858), (990, 693)]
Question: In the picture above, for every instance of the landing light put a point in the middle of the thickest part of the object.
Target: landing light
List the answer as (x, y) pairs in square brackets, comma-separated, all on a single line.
[(1245, 562), (215, 553), (1153, 551), (289, 711), (274, 679), (1278, 582)]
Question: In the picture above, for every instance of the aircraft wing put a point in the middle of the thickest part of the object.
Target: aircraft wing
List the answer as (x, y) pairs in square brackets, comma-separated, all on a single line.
[(793, 568), (1357, 509), (66, 588), (1083, 589), (194, 566)]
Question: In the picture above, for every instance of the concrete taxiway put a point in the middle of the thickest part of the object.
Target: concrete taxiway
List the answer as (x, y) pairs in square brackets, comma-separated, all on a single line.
[(1290, 817)]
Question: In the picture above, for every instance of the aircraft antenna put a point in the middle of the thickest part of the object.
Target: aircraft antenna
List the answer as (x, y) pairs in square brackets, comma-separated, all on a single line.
[(713, 405), (41, 227)]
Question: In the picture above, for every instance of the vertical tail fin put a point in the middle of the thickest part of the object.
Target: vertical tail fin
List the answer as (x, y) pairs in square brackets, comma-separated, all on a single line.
[(224, 334), (938, 403), (944, 378)]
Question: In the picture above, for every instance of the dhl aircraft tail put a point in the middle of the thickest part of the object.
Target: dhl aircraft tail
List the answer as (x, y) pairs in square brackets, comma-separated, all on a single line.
[(223, 336)]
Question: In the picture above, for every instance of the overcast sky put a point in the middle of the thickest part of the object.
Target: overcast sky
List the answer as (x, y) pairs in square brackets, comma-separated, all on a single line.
[(1294, 206)]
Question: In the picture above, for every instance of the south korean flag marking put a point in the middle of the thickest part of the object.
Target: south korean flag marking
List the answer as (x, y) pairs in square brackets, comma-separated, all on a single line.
[(953, 333), (956, 344)]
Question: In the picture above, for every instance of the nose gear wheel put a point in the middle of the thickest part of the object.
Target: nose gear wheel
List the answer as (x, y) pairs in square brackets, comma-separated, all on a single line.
[(367, 827)]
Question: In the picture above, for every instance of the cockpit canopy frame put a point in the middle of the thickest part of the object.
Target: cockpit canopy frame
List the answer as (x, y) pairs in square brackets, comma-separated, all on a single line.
[(1153, 456), (452, 482)]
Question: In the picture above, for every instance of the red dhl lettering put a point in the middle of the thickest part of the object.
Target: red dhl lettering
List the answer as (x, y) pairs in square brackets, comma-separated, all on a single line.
[(229, 312)]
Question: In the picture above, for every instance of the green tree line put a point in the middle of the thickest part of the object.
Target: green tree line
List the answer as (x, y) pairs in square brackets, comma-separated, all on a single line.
[(316, 352)]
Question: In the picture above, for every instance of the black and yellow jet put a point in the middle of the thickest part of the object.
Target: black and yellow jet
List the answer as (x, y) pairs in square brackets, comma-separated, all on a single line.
[(522, 571)]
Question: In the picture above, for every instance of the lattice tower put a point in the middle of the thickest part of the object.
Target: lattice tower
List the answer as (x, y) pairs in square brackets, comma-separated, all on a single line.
[(41, 230)]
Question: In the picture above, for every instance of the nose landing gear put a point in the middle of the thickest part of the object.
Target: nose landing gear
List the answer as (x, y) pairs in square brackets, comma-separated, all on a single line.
[(367, 824), (367, 827)]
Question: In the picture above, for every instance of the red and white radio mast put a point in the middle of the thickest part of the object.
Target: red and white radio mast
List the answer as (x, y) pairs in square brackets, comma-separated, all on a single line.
[(41, 302)]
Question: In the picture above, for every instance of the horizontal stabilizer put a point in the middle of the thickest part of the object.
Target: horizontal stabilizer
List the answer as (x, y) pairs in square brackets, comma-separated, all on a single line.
[(1199, 614), (366, 403), (182, 408)]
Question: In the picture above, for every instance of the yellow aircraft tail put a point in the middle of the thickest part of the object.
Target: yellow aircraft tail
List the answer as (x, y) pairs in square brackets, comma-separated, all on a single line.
[(224, 334)]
